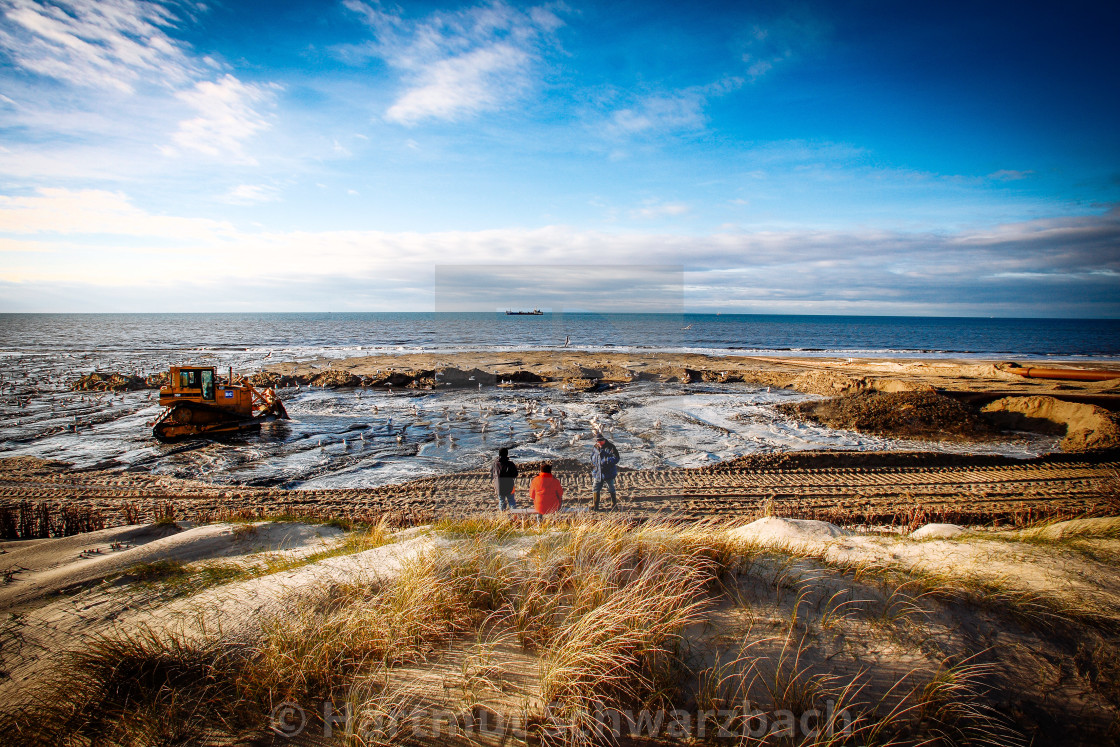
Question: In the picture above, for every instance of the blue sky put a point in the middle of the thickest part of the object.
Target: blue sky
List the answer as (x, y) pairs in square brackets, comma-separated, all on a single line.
[(859, 157)]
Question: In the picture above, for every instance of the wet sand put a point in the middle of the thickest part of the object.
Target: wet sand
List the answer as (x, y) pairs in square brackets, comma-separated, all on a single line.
[(846, 486)]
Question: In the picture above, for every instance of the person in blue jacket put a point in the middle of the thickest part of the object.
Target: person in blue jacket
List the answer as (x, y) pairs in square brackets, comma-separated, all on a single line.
[(604, 468)]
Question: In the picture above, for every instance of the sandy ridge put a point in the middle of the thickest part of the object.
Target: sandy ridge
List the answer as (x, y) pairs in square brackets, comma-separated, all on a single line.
[(578, 370)]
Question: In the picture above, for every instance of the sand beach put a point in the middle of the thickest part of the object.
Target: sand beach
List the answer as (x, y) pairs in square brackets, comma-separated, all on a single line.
[(922, 592)]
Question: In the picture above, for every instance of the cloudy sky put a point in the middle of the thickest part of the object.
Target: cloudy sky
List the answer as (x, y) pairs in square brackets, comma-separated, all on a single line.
[(861, 157)]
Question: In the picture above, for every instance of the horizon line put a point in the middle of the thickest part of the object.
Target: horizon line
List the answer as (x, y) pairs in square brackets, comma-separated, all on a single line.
[(576, 313)]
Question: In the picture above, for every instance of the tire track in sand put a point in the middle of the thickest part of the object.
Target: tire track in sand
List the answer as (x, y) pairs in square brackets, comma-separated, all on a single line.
[(1058, 485)]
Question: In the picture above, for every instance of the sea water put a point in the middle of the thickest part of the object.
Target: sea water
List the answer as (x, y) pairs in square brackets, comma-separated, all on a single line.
[(347, 334), (356, 438)]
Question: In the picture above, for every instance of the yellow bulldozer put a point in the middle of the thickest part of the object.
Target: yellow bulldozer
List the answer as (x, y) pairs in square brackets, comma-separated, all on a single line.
[(199, 404)]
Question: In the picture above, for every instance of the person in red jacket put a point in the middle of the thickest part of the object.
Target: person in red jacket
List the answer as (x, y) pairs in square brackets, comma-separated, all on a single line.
[(546, 491)]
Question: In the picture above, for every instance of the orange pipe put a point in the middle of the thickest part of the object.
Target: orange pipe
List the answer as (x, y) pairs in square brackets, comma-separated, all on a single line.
[(1070, 374)]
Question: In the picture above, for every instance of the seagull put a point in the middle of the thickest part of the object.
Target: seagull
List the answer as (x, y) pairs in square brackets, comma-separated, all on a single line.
[(400, 437)]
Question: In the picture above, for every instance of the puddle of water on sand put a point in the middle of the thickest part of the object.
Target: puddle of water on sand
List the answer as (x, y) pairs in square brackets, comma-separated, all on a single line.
[(363, 438)]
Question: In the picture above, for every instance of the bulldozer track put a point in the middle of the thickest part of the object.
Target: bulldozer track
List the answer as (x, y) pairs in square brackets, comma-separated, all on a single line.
[(1060, 486)]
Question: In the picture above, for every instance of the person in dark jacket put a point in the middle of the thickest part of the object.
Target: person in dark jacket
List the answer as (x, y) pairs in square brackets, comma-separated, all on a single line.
[(504, 472), (604, 468)]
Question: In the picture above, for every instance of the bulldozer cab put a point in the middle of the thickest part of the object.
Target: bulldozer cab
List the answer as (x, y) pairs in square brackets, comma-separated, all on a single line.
[(197, 378)]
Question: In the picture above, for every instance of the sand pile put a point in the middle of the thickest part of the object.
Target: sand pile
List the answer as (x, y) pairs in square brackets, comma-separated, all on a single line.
[(938, 531), (825, 382), (933, 416), (773, 529), (266, 379), (1086, 427), (925, 415), (117, 382), (335, 378), (459, 377)]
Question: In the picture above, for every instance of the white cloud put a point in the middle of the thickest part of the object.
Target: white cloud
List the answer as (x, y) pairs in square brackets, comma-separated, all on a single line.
[(1009, 175), (98, 212), (682, 110), (97, 49), (480, 80), (659, 210), (656, 112), (17, 245), (769, 46), (458, 64), (100, 43), (251, 194), (226, 118), (101, 239)]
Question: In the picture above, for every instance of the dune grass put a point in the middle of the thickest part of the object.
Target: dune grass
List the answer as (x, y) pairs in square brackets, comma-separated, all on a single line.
[(620, 618), (907, 585)]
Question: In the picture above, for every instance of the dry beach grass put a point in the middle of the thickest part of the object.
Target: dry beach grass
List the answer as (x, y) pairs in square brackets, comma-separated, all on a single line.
[(584, 631)]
